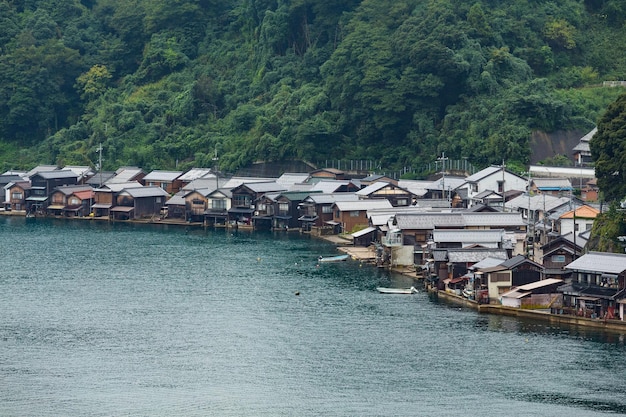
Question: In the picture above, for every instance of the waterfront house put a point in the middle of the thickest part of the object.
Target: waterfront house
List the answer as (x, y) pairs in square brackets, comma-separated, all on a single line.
[(535, 295), (16, 193), (43, 184), (397, 196), (137, 203), (264, 209), (416, 229), (513, 272), (287, 206), (245, 197), (597, 288), (218, 204), (560, 252), (352, 215), (451, 266), (175, 207), (316, 211), (106, 196), (167, 180), (195, 203), (495, 178), (71, 200)]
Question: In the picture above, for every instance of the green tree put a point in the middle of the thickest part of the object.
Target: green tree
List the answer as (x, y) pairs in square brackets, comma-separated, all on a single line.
[(608, 150)]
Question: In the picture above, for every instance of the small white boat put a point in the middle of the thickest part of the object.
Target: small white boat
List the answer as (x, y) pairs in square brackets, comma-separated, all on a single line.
[(384, 290), (337, 258)]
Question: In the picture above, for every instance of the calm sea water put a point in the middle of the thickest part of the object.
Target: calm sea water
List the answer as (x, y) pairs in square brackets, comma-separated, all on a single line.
[(104, 319)]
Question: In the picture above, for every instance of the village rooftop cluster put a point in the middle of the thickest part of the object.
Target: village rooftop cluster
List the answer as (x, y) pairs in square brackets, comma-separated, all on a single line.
[(493, 237)]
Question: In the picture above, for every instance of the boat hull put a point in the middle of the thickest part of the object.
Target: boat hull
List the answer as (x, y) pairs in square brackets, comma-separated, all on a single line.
[(384, 290), (337, 258)]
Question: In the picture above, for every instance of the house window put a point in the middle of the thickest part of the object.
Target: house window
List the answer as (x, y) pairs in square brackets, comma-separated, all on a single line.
[(500, 186), (558, 259), (218, 204), (242, 201), (261, 207), (500, 277), (355, 213), (402, 202), (283, 207), (197, 202), (17, 195), (158, 200), (74, 201), (474, 188), (588, 226), (327, 210), (576, 227)]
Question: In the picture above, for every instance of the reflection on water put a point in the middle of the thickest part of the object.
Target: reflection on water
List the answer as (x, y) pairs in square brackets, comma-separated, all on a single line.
[(117, 319)]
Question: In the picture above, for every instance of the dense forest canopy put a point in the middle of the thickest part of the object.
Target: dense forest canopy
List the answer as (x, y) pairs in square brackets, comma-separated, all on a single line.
[(164, 84)]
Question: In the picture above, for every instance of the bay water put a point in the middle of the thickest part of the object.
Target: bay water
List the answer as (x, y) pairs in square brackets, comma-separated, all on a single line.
[(111, 319)]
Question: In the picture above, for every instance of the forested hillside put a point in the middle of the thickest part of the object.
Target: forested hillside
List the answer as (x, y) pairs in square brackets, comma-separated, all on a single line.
[(166, 83)]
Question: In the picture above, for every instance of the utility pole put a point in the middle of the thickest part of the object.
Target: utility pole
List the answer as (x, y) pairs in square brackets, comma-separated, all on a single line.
[(99, 150), (443, 160), (215, 167)]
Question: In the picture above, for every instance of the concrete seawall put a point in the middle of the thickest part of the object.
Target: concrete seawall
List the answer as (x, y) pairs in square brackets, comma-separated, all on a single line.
[(609, 325)]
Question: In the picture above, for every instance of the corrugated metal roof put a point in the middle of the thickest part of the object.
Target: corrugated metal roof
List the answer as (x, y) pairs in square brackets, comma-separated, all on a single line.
[(611, 263), (265, 187), (483, 173), (329, 186), (429, 221), (117, 187), (539, 284), (158, 175), (486, 263), (194, 174), (372, 188), (329, 198), (364, 232), (125, 175), (474, 255), (49, 175), (468, 235), (146, 192), (362, 204)]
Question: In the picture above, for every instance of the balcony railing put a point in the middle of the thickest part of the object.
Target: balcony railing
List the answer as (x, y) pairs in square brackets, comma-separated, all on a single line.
[(392, 240)]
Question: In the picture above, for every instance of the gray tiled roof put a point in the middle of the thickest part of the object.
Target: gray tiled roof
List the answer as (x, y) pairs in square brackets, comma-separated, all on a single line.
[(611, 263), (140, 192), (429, 221)]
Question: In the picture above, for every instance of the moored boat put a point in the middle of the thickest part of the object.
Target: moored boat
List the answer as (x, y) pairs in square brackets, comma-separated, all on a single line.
[(337, 258), (384, 290)]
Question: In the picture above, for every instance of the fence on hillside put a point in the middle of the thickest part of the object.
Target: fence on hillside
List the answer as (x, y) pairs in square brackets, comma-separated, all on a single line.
[(367, 166)]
